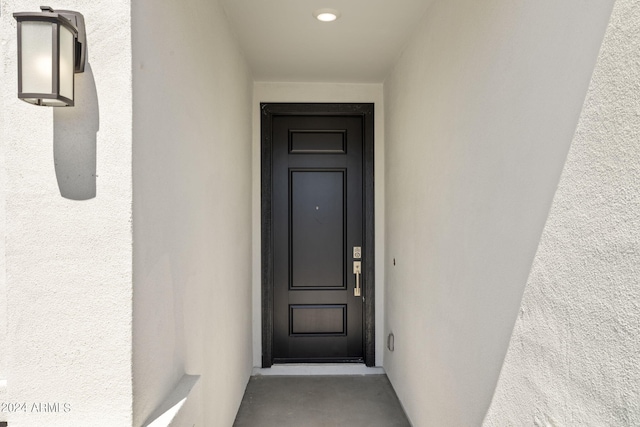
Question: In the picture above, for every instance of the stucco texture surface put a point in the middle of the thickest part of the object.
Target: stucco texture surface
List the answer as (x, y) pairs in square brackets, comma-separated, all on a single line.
[(480, 112), (574, 357), (67, 186)]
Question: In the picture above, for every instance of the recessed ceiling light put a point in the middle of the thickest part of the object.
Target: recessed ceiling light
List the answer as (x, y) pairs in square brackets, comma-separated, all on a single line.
[(326, 15)]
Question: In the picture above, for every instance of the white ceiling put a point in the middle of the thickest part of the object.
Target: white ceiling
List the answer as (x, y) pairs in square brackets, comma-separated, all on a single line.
[(282, 41)]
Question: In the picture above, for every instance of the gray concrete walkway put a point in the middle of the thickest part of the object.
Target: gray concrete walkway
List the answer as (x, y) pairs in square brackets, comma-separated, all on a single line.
[(320, 401)]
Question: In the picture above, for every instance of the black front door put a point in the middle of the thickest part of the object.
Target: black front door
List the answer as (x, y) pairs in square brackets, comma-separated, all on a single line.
[(317, 233)]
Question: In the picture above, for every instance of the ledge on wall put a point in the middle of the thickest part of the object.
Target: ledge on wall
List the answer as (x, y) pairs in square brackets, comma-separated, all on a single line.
[(164, 415)]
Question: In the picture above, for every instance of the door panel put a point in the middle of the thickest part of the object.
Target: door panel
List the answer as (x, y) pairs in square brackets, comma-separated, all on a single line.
[(317, 142), (313, 215), (317, 229), (318, 320)]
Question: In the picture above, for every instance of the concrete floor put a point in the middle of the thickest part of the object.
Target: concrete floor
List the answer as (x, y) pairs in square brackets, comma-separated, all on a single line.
[(313, 401)]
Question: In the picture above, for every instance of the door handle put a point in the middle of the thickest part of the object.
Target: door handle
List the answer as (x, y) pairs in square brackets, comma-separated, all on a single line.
[(357, 269)]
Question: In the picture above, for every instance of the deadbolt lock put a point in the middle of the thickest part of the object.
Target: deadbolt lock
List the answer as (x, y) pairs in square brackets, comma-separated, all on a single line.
[(357, 252)]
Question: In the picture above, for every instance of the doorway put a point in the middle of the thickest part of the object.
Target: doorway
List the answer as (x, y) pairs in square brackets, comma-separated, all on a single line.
[(317, 233)]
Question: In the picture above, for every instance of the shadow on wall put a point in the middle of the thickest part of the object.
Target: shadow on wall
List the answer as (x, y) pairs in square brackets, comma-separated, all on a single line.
[(74, 140)]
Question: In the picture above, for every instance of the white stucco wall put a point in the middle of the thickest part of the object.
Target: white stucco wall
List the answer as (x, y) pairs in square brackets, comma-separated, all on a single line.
[(574, 357), (192, 210), (67, 187), (480, 111), (4, 70), (319, 92), (4, 134)]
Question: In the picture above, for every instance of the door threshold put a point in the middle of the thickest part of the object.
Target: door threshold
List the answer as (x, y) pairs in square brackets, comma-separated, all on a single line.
[(319, 369)]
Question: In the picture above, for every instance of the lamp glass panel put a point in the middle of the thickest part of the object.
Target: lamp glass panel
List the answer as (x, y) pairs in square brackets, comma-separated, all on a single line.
[(37, 57), (53, 103), (66, 62)]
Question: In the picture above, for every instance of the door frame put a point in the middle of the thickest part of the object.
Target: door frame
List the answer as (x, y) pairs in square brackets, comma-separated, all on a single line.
[(268, 110)]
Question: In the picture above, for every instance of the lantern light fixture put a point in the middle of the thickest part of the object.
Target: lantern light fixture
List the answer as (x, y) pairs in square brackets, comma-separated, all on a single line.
[(52, 47)]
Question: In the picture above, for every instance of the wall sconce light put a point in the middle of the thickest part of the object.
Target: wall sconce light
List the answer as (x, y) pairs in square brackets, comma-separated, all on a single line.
[(52, 46)]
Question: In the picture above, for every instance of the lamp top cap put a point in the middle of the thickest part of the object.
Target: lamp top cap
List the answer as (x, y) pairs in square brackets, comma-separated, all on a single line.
[(65, 17)]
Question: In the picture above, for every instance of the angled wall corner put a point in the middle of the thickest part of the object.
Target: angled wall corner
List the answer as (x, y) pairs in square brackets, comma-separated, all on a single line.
[(480, 111), (169, 411), (575, 349)]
